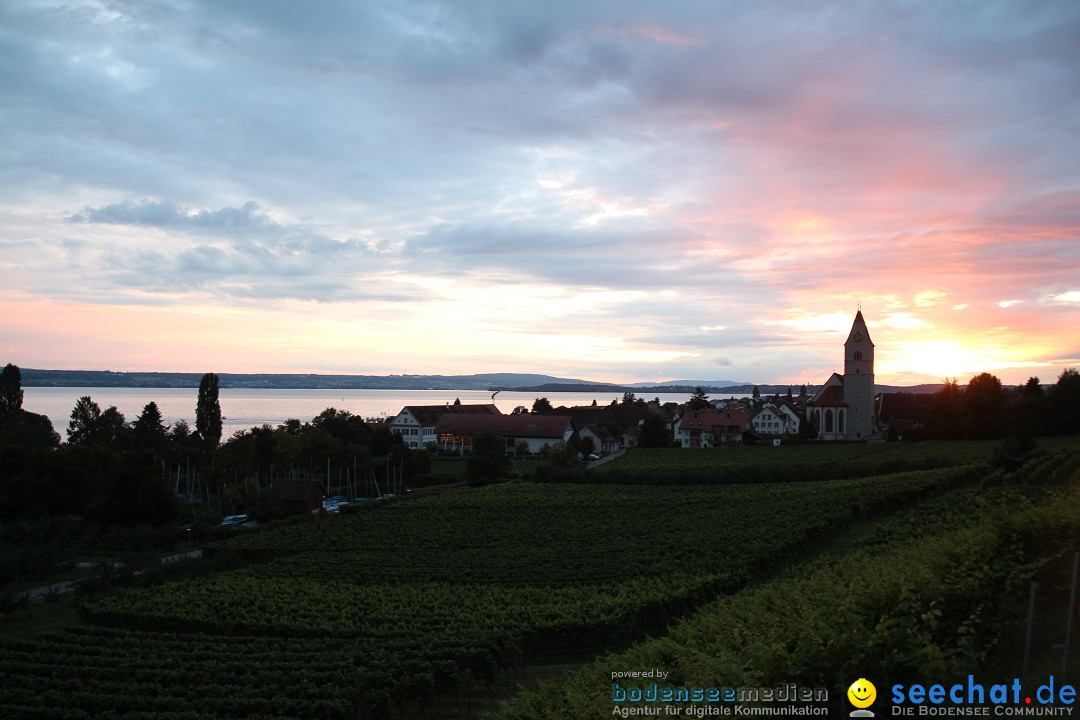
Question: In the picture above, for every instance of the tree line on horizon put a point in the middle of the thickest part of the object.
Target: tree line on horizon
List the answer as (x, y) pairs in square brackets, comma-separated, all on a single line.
[(985, 409)]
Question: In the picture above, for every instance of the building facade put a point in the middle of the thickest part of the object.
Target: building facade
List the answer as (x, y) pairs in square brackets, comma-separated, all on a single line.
[(416, 423)]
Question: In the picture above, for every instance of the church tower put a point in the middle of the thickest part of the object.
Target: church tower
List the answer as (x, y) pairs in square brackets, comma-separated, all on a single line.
[(859, 380)]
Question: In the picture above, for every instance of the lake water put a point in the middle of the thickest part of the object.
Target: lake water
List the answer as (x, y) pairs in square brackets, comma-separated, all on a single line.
[(243, 408)]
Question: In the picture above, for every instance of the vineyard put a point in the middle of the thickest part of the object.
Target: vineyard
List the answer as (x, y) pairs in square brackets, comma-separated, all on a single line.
[(788, 463), (404, 608), (928, 593)]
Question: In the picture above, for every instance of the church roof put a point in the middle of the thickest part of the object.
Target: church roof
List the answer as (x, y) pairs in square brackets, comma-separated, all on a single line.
[(830, 397), (836, 380)]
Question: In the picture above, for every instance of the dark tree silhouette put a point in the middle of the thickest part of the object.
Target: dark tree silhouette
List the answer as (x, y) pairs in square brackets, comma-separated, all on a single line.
[(149, 424), (11, 392), (208, 411), (699, 400), (542, 405), (85, 421), (1065, 399), (654, 432), (983, 401), (487, 461)]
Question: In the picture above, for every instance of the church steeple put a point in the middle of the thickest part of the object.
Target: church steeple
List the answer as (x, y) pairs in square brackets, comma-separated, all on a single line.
[(859, 379), (859, 333)]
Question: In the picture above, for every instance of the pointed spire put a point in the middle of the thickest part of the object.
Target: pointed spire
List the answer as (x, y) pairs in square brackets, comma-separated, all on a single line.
[(859, 332)]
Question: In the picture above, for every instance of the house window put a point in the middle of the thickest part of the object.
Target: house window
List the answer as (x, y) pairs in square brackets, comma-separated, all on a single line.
[(840, 421), (828, 421), (858, 355)]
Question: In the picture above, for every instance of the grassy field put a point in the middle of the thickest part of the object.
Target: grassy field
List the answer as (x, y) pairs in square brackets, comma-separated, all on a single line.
[(439, 604)]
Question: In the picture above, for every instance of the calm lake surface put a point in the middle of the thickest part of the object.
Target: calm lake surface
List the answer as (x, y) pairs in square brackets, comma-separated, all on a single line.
[(243, 409)]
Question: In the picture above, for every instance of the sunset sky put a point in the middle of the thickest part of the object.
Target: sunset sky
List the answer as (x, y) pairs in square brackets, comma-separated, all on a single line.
[(617, 191)]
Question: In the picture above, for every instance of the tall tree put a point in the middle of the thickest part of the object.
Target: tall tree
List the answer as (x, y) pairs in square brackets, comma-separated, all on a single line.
[(85, 421), (1065, 399), (982, 404), (113, 428), (11, 392), (149, 422), (699, 400), (208, 411), (149, 429)]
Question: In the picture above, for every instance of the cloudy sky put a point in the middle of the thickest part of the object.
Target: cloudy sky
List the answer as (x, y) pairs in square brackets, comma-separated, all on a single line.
[(616, 191)]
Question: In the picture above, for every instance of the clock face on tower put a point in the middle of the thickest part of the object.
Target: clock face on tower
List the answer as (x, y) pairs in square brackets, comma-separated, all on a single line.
[(858, 336)]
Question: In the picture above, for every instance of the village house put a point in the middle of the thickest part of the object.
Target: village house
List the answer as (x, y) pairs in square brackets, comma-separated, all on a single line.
[(900, 412), (791, 418), (416, 423), (769, 420), (711, 428), (455, 431), (603, 441)]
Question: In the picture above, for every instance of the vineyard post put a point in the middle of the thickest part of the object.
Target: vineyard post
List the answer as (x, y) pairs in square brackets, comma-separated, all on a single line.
[(1030, 624), (1069, 617)]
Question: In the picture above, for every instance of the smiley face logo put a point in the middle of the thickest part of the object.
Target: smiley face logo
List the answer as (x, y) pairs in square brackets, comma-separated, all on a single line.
[(862, 693)]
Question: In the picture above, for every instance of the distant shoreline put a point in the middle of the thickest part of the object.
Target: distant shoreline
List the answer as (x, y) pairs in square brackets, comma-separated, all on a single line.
[(515, 382)]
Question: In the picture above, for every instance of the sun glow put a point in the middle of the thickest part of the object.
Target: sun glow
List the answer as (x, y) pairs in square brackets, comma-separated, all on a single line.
[(937, 359)]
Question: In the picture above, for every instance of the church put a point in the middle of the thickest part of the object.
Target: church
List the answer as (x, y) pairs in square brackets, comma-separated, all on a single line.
[(843, 408)]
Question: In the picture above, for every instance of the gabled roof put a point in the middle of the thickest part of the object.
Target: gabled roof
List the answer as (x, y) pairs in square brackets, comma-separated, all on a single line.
[(836, 380), (708, 419), (601, 432), (430, 414), (771, 408), (525, 425), (789, 409)]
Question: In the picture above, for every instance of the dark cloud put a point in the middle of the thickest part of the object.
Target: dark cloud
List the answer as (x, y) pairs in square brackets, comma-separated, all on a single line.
[(165, 214)]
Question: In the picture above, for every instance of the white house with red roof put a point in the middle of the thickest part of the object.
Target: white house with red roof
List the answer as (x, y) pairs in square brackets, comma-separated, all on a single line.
[(711, 428)]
